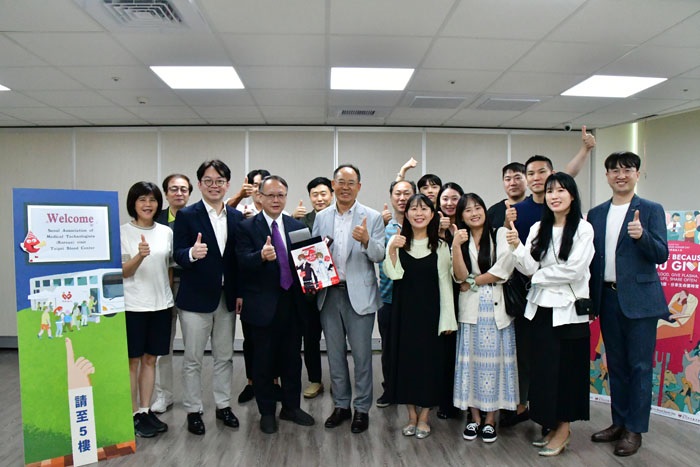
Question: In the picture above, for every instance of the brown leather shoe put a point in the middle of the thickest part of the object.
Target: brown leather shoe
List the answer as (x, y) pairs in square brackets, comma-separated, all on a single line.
[(611, 433), (629, 444)]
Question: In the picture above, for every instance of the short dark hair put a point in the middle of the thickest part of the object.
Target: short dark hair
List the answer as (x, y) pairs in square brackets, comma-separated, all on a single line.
[(429, 179), (539, 158), (167, 179), (396, 182), (347, 166), (319, 181), (513, 167), (218, 165), (271, 178), (253, 173), (625, 159), (139, 189)]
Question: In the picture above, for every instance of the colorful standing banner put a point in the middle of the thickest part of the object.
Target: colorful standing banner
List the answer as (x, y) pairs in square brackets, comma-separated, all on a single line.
[(74, 371), (676, 384)]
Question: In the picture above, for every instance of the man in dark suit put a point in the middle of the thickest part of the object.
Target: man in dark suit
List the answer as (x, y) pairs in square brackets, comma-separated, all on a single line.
[(630, 240), (208, 292), (272, 304)]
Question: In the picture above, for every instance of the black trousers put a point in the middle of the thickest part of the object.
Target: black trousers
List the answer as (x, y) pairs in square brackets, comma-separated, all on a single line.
[(276, 351)]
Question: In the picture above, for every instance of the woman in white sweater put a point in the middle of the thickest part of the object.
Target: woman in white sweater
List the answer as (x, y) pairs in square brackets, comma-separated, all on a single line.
[(146, 257), (486, 372), (557, 255)]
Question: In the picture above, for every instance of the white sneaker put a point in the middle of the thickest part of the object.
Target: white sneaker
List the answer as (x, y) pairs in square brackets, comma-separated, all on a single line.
[(161, 405)]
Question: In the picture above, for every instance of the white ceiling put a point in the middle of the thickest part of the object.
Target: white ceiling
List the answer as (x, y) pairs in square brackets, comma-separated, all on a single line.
[(66, 68)]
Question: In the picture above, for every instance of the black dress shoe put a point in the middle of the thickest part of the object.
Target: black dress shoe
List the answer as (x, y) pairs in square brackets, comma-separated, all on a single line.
[(195, 425), (268, 424), (337, 417), (246, 394), (226, 414), (611, 433), (360, 422), (297, 416), (629, 444)]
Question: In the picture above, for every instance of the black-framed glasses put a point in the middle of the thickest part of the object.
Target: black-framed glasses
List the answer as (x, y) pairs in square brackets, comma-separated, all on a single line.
[(211, 182)]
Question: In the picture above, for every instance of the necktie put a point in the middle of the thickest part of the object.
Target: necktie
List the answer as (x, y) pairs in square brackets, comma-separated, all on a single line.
[(281, 250)]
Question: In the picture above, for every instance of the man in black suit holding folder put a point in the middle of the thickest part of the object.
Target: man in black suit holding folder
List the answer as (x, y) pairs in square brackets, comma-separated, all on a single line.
[(273, 304)]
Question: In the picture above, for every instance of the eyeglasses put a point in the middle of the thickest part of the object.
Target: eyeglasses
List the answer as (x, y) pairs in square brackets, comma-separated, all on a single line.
[(627, 171), (279, 196), (345, 183), (179, 189), (211, 182)]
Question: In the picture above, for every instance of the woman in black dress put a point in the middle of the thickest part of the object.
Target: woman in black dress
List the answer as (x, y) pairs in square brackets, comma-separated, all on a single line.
[(419, 263)]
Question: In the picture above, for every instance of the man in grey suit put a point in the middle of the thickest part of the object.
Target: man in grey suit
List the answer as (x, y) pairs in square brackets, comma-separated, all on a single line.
[(348, 308)]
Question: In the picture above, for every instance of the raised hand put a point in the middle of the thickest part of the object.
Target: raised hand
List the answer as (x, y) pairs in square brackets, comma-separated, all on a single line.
[(360, 232), (397, 241), (634, 228), (199, 249), (409, 164), (247, 188), (268, 251), (587, 138), (459, 236), (512, 236), (386, 214), (444, 221), (511, 215), (300, 210), (144, 248)]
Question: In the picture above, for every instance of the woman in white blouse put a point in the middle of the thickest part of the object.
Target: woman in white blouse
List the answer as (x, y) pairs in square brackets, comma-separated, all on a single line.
[(419, 263), (486, 372), (557, 255)]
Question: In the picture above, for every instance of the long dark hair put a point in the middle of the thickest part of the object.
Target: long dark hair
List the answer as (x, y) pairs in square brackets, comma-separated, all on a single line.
[(433, 226), (449, 185), (544, 236), (486, 255)]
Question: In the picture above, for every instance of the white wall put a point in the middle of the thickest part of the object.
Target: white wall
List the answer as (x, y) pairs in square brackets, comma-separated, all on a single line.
[(115, 158)]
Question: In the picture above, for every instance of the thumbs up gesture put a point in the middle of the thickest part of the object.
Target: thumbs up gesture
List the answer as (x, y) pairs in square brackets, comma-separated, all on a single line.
[(199, 249), (144, 248), (396, 242), (247, 188), (386, 214), (300, 210), (634, 228), (268, 251), (360, 233), (459, 236), (444, 221), (512, 236), (511, 215), (587, 138)]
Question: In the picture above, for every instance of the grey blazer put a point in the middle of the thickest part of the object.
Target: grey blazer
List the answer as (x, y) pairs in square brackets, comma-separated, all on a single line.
[(360, 273)]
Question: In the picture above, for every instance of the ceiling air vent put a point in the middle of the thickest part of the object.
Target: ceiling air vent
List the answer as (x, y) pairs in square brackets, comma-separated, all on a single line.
[(494, 103), (146, 15), (356, 113), (436, 102), (143, 13)]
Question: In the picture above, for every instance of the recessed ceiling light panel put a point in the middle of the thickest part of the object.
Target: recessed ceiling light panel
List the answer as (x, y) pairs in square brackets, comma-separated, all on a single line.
[(3, 88), (370, 79), (199, 77), (612, 86)]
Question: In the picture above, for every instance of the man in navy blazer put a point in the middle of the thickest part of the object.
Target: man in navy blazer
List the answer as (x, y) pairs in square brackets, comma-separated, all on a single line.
[(204, 246), (630, 240), (272, 304)]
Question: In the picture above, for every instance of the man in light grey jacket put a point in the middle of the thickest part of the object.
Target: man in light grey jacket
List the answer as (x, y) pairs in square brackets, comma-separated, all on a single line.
[(348, 308)]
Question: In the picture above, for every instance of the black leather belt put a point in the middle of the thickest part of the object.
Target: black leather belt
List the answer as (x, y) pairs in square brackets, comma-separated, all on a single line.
[(610, 285)]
